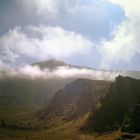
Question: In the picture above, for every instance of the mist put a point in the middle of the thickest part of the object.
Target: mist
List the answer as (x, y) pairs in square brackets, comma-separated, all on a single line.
[(63, 72)]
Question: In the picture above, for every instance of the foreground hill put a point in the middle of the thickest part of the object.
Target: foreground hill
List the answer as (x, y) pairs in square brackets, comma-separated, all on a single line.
[(84, 106), (24, 93), (112, 105), (61, 106), (120, 108), (76, 99)]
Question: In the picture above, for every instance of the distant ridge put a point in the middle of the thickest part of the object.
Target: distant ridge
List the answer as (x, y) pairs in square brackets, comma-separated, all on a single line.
[(52, 63)]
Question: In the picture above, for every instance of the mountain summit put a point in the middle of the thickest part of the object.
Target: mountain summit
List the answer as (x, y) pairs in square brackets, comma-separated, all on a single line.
[(51, 64)]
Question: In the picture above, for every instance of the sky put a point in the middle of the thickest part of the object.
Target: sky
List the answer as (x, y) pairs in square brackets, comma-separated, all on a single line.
[(103, 34)]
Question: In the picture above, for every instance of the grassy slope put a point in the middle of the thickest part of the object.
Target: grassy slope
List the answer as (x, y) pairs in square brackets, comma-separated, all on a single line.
[(20, 97), (60, 131), (66, 131), (17, 98), (67, 134)]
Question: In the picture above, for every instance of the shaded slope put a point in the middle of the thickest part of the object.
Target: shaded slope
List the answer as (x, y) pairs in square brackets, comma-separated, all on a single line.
[(76, 99), (116, 106)]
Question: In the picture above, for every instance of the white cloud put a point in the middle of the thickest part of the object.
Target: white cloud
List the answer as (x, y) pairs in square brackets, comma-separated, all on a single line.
[(63, 72), (28, 72), (51, 8), (130, 7), (41, 43), (125, 42)]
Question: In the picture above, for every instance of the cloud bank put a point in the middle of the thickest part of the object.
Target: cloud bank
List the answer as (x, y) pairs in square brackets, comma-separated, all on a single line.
[(19, 46), (125, 42), (51, 8), (69, 31), (64, 72)]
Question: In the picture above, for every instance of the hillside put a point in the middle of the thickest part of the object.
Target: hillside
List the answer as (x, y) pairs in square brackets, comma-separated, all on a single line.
[(118, 107), (63, 106), (51, 64), (74, 101), (25, 93)]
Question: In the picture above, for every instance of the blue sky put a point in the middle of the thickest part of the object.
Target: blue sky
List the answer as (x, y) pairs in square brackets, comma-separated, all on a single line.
[(96, 33)]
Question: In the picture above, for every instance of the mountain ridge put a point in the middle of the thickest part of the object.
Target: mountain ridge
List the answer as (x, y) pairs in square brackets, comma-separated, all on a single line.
[(59, 62), (75, 99), (54, 63)]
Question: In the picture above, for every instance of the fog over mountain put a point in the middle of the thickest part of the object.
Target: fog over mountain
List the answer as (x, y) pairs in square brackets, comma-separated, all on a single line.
[(57, 69), (69, 70)]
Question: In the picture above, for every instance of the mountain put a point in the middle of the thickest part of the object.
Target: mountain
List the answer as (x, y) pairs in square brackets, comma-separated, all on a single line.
[(76, 99), (117, 107), (25, 93), (97, 106), (61, 107), (50, 64)]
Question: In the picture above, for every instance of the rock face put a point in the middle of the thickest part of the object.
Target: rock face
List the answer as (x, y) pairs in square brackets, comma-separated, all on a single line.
[(117, 106), (76, 99), (135, 120)]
